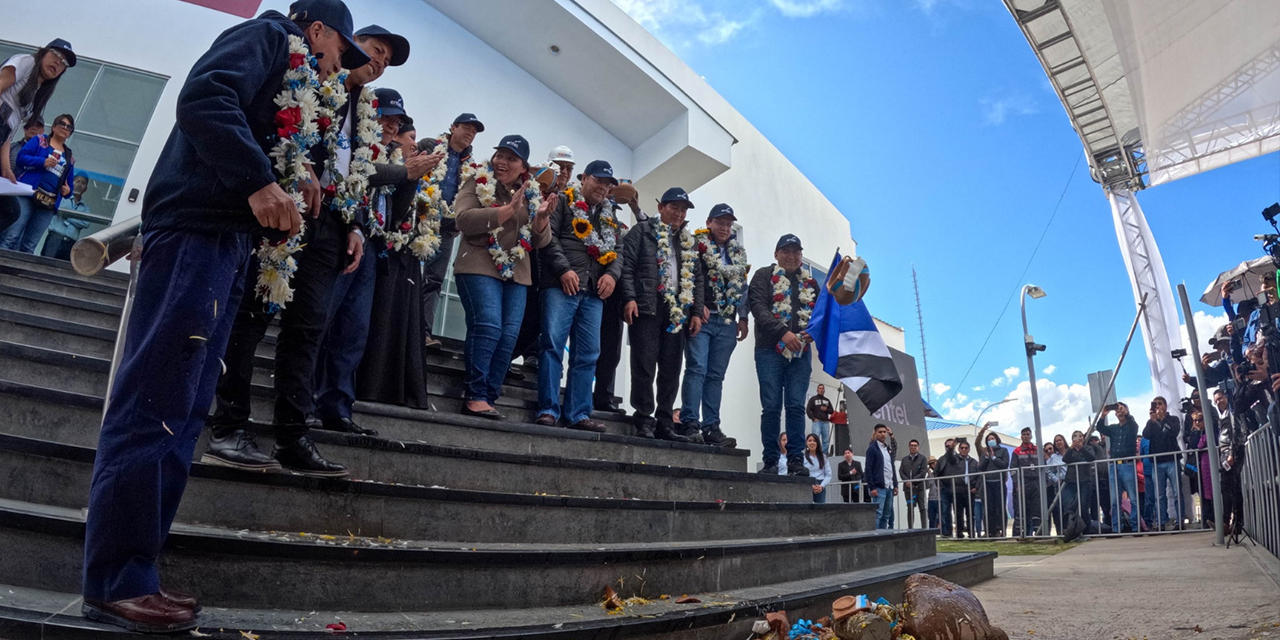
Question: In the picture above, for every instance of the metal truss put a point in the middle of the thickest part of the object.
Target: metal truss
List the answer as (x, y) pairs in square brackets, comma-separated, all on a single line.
[(1115, 157)]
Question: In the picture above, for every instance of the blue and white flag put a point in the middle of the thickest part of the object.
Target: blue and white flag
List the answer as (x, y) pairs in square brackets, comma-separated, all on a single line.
[(852, 350)]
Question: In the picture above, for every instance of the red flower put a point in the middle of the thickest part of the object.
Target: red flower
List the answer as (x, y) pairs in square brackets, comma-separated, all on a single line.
[(773, 279), (811, 283), (296, 60), (715, 278), (702, 247), (374, 103), (390, 245), (374, 147), (405, 226), (525, 244), (583, 206), (482, 180), (330, 190), (287, 121), (778, 297), (594, 252), (323, 122)]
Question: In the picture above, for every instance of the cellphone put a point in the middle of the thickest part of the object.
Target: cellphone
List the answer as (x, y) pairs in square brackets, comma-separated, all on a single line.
[(1110, 407), (1179, 353)]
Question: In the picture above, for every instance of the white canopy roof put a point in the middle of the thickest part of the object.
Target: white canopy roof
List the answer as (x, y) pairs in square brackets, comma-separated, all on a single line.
[(1166, 88)]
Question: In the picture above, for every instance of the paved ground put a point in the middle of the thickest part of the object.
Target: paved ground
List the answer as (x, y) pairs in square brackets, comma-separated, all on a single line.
[(1154, 587)]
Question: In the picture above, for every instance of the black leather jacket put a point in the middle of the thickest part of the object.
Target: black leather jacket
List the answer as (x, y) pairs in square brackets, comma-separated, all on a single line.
[(640, 269)]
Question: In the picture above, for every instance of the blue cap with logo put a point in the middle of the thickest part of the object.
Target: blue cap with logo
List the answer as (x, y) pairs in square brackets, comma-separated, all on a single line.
[(335, 15), (676, 194), (600, 169), (788, 240), (721, 210), (389, 102), (516, 144), (399, 44), (470, 118), (64, 47)]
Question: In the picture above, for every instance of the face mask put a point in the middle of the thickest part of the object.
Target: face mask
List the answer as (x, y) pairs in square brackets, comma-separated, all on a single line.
[(991, 443)]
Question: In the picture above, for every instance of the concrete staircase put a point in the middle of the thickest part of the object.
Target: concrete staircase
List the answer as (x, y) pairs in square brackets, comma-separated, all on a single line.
[(449, 527)]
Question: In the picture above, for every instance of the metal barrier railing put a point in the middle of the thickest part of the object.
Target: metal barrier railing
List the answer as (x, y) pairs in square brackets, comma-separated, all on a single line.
[(1111, 498), (1260, 489), (91, 254)]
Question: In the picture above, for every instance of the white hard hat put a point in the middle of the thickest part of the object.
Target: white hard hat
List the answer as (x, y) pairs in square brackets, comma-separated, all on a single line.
[(560, 154)]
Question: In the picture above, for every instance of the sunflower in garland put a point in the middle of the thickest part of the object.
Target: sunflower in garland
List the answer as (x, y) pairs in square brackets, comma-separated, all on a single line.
[(609, 256), (581, 228)]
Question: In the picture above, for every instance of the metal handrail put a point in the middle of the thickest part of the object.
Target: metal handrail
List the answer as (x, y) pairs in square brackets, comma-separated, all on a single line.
[(93, 253)]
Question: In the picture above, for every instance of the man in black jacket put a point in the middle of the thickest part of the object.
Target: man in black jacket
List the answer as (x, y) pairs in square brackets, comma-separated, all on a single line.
[(578, 271), (914, 468), (212, 189), (1163, 487), (850, 471), (946, 486), (967, 485), (662, 295), (1122, 439), (781, 297), (332, 247)]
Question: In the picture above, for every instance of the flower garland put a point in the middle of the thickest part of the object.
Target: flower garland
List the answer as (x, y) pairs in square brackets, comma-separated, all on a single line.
[(487, 191), (782, 297), (729, 281), (349, 193), (678, 305), (600, 246), (430, 205), (298, 130)]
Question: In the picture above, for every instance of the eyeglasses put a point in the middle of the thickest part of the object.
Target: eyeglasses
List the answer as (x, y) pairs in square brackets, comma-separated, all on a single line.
[(64, 125), (62, 60)]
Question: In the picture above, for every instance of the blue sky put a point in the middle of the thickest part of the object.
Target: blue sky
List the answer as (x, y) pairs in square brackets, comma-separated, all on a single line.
[(930, 124)]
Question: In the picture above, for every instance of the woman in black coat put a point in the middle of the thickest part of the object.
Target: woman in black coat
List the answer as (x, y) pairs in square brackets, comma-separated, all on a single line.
[(994, 457)]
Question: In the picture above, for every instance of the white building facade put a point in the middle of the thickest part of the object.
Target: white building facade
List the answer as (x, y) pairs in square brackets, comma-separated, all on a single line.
[(519, 65)]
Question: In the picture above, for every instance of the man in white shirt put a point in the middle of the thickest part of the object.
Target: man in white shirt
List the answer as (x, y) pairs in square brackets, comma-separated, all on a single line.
[(881, 477)]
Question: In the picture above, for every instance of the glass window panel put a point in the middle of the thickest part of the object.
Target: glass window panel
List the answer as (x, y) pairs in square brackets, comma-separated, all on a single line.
[(73, 86), (121, 104), (453, 320), (109, 159)]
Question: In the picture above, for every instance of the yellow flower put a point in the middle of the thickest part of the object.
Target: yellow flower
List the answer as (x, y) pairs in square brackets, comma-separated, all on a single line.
[(609, 256), (581, 228)]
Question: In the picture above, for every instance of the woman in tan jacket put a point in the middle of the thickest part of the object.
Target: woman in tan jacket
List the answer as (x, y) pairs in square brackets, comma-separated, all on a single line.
[(501, 217)]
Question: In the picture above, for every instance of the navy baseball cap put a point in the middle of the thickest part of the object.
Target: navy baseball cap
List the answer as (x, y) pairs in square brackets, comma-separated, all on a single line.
[(65, 48), (399, 44), (389, 102), (600, 169), (516, 144), (788, 240), (406, 125), (721, 210), (470, 118), (335, 15), (675, 194)]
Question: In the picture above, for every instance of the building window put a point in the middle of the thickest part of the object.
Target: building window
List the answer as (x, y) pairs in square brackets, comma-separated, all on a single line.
[(112, 106), (450, 320)]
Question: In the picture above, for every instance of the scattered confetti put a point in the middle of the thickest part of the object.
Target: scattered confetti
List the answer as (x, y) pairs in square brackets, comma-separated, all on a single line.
[(336, 626), (195, 633), (686, 599), (249, 635), (166, 428), (206, 340)]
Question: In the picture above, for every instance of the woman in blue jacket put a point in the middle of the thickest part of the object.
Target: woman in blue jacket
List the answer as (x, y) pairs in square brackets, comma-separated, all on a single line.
[(48, 166)]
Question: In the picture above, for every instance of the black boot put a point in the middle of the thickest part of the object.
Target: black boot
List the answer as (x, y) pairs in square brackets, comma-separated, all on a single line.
[(769, 469), (238, 450), (691, 430), (346, 425), (644, 427), (301, 457), (795, 467), (666, 431), (711, 434)]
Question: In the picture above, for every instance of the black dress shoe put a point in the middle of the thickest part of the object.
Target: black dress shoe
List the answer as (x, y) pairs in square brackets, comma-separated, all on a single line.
[(769, 470), (313, 422), (301, 457), (795, 467), (666, 431), (691, 430), (546, 420), (644, 427), (588, 425), (238, 450), (713, 435), (146, 614), (515, 374), (489, 413), (346, 425)]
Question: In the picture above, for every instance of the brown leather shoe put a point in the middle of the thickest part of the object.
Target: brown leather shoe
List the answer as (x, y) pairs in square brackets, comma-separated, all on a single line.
[(145, 614), (185, 600), (588, 425), (546, 420)]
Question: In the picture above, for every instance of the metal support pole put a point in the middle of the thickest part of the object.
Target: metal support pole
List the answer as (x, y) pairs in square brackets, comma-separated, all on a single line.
[(1210, 413), (1035, 413), (1142, 307), (135, 254)]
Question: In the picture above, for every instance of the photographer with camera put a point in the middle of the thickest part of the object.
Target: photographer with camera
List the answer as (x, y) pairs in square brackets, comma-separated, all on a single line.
[(1163, 488), (1122, 474)]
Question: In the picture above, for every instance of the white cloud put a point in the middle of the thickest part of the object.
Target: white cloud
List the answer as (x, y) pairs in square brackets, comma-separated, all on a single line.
[(998, 382), (720, 30), (941, 388), (996, 110), (684, 23), (979, 388), (1063, 408), (1206, 325), (805, 8), (1048, 371)]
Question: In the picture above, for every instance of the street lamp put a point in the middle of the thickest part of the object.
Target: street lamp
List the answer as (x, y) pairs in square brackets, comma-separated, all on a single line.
[(993, 404), (1032, 349)]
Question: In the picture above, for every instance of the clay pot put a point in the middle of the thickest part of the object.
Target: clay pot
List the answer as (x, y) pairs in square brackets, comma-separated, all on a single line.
[(624, 193), (863, 625), (844, 607), (936, 609)]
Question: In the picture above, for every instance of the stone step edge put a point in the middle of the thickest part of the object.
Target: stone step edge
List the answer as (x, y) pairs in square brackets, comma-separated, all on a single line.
[(85, 455), (63, 265), (183, 538), (75, 282), (573, 621)]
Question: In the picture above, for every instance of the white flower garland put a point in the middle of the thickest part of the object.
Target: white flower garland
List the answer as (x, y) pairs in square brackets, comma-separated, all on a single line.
[(349, 193), (602, 247), (298, 131), (729, 281), (677, 304), (487, 190), (429, 203), (782, 297)]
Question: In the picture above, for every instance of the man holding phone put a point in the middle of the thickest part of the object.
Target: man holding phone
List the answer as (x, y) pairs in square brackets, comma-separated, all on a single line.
[(1123, 473), (1163, 488)]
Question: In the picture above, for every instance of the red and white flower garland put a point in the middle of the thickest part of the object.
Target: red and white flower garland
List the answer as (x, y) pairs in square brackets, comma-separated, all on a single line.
[(782, 297), (430, 206), (602, 247), (487, 191)]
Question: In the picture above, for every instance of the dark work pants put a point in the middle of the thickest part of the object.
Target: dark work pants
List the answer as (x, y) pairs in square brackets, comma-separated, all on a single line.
[(964, 510), (528, 343), (433, 273), (302, 325), (655, 351), (610, 351), (187, 291), (993, 505), (948, 506), (350, 309)]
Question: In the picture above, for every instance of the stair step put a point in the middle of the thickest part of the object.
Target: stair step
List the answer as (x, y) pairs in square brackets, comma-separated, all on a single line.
[(62, 285), (94, 314), (40, 264), (238, 568)]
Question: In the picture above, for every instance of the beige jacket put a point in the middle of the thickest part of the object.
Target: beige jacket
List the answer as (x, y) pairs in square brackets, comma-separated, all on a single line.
[(475, 221)]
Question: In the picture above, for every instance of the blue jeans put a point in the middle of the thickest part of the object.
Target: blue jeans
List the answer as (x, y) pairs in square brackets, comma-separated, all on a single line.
[(823, 431), (706, 358), (1124, 477), (159, 403), (783, 383), (25, 232), (884, 508), (821, 496), (345, 339), (494, 309), (1163, 489), (933, 514), (564, 316)]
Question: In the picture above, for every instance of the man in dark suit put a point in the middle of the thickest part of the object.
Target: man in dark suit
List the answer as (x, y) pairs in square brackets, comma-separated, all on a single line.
[(881, 477), (850, 470)]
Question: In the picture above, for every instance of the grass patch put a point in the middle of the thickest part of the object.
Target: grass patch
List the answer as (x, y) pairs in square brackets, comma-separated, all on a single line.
[(1007, 547)]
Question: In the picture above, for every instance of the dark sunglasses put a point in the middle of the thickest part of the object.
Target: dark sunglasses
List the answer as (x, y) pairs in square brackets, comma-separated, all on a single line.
[(65, 125)]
